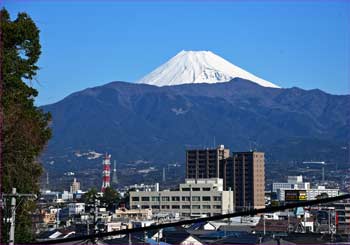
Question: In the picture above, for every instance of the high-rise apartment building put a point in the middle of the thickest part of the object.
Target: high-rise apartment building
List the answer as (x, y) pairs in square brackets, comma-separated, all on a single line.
[(205, 163), (244, 173)]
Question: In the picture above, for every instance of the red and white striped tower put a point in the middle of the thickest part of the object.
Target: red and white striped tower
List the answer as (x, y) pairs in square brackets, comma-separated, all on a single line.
[(106, 172)]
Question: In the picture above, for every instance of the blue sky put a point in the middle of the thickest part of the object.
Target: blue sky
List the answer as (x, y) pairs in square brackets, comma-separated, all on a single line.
[(87, 43)]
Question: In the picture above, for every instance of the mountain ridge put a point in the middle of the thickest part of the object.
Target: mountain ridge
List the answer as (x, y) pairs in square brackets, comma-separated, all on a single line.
[(138, 121)]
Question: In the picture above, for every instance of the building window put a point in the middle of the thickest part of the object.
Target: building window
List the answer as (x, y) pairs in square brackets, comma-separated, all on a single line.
[(196, 206), (145, 199), (186, 199), (217, 198), (196, 189), (217, 206), (155, 206), (186, 206), (175, 199), (135, 199), (206, 188), (166, 199), (155, 199), (144, 206), (206, 206), (206, 198), (196, 198), (165, 207), (185, 189), (176, 207)]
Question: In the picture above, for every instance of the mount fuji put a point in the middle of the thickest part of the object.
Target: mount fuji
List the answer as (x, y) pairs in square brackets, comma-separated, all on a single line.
[(198, 67)]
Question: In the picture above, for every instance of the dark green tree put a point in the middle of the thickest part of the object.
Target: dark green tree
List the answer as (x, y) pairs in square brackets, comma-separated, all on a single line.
[(110, 199), (25, 127), (89, 196), (125, 200)]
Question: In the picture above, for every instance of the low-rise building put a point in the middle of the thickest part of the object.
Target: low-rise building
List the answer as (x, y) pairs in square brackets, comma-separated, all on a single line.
[(76, 208), (193, 198), (138, 214), (313, 193), (49, 218), (293, 182), (296, 183)]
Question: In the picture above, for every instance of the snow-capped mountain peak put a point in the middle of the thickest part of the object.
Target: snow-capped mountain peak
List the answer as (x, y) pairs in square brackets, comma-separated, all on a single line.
[(198, 67)]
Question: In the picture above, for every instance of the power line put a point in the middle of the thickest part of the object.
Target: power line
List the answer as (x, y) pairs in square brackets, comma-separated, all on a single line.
[(191, 221)]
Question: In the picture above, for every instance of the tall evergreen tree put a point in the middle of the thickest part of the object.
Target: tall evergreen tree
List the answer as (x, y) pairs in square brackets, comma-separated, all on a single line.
[(25, 127)]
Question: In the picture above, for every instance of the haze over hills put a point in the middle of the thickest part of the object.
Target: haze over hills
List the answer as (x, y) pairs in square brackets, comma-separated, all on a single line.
[(198, 67)]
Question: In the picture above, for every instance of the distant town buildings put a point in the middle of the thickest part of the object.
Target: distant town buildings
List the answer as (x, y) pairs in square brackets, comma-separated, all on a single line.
[(219, 182), (293, 182), (76, 208), (313, 193), (136, 214), (296, 183), (144, 187), (75, 187)]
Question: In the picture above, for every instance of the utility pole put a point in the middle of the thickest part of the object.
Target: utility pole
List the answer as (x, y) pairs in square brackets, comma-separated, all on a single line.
[(95, 218), (13, 207), (305, 220), (13, 217), (264, 225), (329, 221)]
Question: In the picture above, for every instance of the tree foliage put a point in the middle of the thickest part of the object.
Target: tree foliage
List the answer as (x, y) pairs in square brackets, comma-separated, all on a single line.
[(110, 198), (89, 196), (25, 127)]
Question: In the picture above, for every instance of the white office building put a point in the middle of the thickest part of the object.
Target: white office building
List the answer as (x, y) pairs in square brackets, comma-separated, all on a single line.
[(293, 183), (296, 183), (313, 193), (194, 198)]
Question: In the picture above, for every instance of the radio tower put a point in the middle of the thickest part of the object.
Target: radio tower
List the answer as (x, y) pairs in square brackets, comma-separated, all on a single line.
[(106, 179), (163, 175), (47, 180), (115, 179)]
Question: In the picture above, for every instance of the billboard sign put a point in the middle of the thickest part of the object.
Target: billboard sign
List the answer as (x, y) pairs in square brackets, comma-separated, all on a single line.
[(295, 195)]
